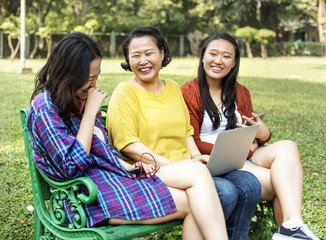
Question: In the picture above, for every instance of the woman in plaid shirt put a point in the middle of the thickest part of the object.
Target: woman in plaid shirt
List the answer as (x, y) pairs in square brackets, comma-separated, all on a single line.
[(69, 140)]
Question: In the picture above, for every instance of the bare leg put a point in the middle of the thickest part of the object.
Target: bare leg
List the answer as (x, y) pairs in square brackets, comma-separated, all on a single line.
[(278, 212), (284, 161), (263, 175), (206, 211), (203, 199), (190, 228)]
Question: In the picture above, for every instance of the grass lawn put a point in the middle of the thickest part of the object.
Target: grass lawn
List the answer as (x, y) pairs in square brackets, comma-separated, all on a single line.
[(292, 92)]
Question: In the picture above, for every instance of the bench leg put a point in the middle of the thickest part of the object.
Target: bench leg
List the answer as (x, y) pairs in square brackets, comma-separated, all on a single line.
[(38, 227)]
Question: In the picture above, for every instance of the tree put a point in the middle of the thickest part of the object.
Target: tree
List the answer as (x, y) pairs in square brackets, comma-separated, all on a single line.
[(248, 34), (9, 7), (322, 20), (11, 25), (38, 12), (263, 36), (194, 36), (270, 14)]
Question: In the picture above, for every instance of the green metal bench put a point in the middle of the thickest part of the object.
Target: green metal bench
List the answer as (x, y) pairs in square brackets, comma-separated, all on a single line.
[(49, 216)]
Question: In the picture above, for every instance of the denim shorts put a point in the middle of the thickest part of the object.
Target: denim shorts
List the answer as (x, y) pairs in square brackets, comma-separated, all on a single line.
[(248, 161)]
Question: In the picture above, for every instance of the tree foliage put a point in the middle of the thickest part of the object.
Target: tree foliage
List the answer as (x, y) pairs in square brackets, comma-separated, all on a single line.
[(46, 17), (248, 34), (322, 21), (11, 25), (263, 36)]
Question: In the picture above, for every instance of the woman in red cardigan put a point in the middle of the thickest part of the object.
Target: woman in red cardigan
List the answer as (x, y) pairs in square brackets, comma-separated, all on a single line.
[(216, 103)]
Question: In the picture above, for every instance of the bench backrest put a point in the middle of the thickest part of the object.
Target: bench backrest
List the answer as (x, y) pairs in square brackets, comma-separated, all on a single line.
[(41, 190)]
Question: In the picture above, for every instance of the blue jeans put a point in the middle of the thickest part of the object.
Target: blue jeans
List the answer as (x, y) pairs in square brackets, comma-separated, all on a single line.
[(239, 192)]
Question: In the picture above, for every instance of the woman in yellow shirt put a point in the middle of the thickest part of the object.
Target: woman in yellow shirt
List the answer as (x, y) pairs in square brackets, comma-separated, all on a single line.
[(149, 115), (135, 110), (140, 115)]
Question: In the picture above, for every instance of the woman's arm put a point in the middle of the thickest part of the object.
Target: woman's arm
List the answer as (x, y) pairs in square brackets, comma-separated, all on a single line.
[(94, 101), (136, 149), (59, 153), (195, 153)]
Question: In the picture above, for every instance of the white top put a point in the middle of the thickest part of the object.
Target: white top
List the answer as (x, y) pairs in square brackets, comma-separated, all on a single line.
[(99, 134), (207, 134)]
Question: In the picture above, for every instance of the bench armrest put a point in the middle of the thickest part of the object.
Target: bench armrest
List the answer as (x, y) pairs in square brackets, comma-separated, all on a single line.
[(69, 190)]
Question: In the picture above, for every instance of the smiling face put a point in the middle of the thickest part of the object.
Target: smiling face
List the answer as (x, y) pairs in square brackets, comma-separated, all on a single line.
[(218, 59), (145, 59), (94, 71)]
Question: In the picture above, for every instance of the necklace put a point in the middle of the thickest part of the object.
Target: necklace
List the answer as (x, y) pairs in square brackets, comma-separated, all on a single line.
[(150, 88)]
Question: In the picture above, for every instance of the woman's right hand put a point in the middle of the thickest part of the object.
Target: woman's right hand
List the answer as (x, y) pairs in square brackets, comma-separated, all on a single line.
[(94, 100), (201, 158)]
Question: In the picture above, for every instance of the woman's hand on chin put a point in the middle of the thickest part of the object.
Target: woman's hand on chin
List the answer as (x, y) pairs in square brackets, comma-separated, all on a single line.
[(94, 100)]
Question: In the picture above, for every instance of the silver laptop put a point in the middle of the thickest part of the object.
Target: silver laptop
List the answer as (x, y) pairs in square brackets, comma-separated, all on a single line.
[(231, 149)]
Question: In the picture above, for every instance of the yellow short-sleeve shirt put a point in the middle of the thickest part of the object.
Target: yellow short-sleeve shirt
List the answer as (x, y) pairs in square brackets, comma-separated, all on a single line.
[(161, 122)]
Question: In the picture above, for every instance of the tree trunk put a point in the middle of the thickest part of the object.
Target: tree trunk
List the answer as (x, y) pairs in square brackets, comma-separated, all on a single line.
[(3, 9), (34, 51), (322, 20), (322, 23), (263, 50), (248, 17), (194, 39), (13, 51), (11, 47), (185, 9), (49, 45), (269, 18), (38, 41), (248, 49)]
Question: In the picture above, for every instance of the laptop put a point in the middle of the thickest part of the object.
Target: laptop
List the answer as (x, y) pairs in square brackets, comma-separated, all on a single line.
[(231, 149)]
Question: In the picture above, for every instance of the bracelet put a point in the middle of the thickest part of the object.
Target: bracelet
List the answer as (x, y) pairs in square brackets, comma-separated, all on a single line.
[(195, 155)]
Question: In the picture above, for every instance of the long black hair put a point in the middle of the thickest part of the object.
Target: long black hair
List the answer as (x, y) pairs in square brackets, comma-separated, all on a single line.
[(228, 86), (158, 38), (66, 71)]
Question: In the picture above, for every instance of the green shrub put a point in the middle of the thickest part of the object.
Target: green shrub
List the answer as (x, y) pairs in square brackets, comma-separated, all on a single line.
[(278, 49), (310, 49)]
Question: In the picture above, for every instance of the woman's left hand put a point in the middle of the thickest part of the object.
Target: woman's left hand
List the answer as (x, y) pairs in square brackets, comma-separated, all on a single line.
[(262, 132), (147, 168)]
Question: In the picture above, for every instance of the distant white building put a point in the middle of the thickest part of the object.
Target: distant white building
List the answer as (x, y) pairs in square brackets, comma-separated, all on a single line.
[(303, 31)]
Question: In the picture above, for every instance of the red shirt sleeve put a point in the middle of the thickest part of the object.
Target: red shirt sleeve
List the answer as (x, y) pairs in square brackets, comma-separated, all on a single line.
[(191, 95)]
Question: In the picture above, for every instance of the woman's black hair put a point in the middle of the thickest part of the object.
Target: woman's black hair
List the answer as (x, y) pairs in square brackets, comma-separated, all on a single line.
[(158, 38), (228, 86), (66, 71)]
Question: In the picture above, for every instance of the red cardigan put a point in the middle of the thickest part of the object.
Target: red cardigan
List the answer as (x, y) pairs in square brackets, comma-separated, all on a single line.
[(191, 94)]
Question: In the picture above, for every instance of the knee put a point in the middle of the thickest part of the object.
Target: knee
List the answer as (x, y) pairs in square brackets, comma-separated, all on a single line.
[(228, 195), (286, 146), (252, 187), (226, 190), (248, 185), (290, 149)]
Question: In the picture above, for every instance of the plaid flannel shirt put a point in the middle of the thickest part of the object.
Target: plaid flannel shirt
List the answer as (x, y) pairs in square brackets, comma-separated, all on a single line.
[(61, 156)]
